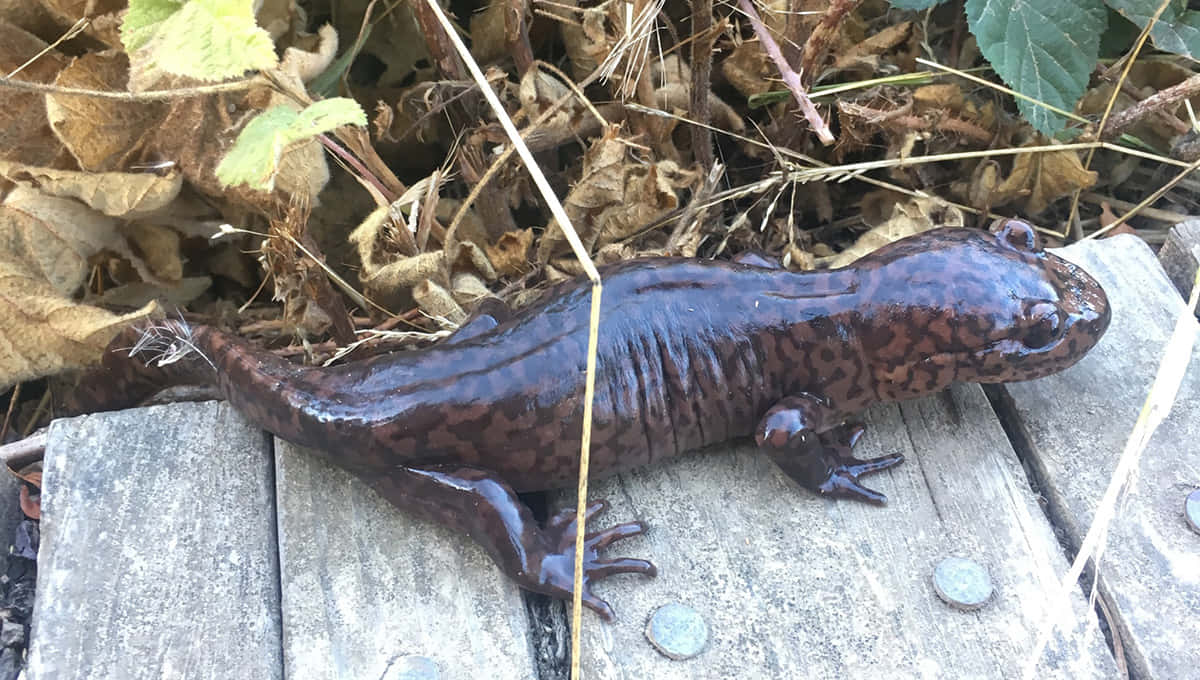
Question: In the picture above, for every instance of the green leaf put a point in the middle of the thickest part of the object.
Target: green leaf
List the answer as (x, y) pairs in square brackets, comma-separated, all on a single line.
[(255, 155), (201, 39), (1177, 30), (1044, 50), (143, 19)]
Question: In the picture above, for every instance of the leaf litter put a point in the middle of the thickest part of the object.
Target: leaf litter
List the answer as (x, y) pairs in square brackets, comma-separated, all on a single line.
[(326, 176)]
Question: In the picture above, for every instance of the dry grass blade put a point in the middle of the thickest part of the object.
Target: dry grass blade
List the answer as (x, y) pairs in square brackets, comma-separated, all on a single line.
[(633, 47)]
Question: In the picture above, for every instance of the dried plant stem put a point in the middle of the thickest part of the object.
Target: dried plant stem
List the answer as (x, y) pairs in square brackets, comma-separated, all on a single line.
[(516, 34), (1148, 200), (1154, 103), (440, 49), (151, 95), (790, 77), (702, 43), (817, 45)]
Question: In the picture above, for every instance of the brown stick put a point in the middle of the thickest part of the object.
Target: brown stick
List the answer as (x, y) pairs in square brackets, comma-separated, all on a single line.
[(702, 42), (439, 46), (516, 34), (817, 45), (1155, 102), (790, 77)]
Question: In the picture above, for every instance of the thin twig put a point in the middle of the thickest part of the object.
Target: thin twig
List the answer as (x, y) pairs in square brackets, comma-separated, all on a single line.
[(1155, 102), (702, 138), (790, 77), (1148, 200), (150, 95)]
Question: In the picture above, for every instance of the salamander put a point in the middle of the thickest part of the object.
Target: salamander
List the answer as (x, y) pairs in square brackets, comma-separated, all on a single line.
[(691, 353)]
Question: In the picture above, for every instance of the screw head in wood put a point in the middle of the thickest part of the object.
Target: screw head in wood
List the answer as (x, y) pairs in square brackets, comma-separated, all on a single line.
[(962, 583), (1191, 510), (677, 631)]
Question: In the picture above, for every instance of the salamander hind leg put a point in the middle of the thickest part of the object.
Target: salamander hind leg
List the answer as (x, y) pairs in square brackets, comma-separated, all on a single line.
[(820, 461), (539, 558)]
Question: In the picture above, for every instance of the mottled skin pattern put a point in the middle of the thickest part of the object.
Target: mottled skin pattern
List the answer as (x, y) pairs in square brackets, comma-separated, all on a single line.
[(691, 353)]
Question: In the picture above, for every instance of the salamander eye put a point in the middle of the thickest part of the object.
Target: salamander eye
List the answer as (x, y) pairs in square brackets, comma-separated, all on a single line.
[(1046, 326), (1019, 236)]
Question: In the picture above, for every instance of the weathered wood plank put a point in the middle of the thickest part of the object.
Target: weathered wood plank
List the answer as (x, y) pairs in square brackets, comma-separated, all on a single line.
[(1179, 255), (792, 585), (158, 554), (1077, 424), (367, 587)]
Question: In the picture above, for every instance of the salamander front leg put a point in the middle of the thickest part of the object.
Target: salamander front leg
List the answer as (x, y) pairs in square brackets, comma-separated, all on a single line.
[(822, 462), (481, 505)]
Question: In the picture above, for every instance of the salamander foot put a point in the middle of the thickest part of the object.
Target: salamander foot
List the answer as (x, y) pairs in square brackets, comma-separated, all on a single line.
[(558, 565), (825, 464)]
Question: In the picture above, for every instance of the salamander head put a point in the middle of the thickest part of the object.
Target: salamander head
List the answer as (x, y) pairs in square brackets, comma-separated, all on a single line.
[(963, 305)]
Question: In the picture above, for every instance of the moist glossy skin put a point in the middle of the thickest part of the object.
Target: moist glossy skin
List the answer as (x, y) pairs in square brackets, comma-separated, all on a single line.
[(691, 353)]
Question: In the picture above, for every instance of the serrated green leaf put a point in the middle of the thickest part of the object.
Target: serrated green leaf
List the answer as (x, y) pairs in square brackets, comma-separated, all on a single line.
[(255, 155), (1177, 29), (1044, 50), (201, 39), (143, 19)]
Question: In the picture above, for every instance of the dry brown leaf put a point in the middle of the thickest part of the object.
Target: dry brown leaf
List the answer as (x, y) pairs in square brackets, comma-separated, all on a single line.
[(538, 92), (310, 57), (939, 96), (102, 134), (748, 69), (44, 331), (56, 236), (138, 293), (510, 254), (395, 41), (615, 198), (103, 18), (390, 278), (158, 247), (25, 135), (908, 217), (867, 52), (1037, 179), (488, 33), (118, 194), (468, 288), (437, 302)]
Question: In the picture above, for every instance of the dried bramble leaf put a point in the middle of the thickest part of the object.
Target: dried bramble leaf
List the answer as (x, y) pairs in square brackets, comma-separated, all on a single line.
[(117, 194), (908, 217), (1037, 179), (43, 330), (510, 254), (25, 135), (616, 197), (102, 134)]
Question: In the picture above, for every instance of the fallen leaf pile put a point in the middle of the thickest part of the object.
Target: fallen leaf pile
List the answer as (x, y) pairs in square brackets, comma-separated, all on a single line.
[(302, 171)]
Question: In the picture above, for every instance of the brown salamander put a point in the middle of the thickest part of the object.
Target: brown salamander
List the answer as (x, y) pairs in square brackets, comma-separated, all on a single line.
[(691, 353)]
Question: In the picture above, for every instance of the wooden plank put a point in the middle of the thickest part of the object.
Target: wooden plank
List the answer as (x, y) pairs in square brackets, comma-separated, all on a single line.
[(158, 551), (1076, 426), (368, 589), (797, 586), (792, 585), (1180, 255)]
